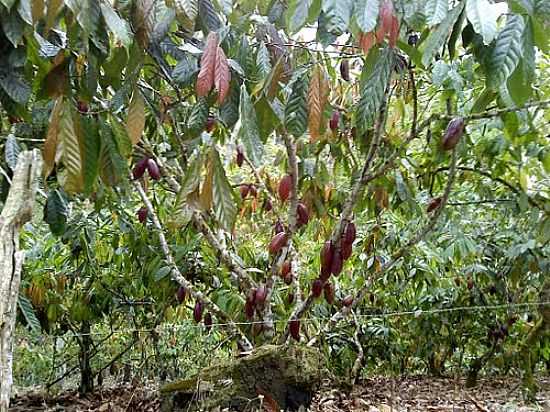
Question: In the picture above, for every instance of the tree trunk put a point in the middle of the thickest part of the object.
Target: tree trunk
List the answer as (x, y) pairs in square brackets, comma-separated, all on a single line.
[(86, 375), (16, 212)]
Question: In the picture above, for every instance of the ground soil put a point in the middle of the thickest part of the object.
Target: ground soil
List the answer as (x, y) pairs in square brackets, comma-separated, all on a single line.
[(404, 394)]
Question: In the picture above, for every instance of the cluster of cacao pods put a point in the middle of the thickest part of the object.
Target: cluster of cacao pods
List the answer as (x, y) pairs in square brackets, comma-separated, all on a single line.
[(146, 164), (255, 300), (248, 189), (197, 310), (453, 133), (332, 259)]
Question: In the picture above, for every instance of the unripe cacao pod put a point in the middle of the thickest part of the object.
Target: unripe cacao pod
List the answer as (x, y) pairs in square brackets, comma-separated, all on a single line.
[(142, 214), (347, 301), (336, 264), (344, 69), (208, 321), (277, 243), (334, 120), (329, 293), (197, 311), (346, 250), (285, 268), (244, 189), (327, 253), (294, 328), (453, 133), (284, 187), (303, 215), (317, 288), (139, 168), (434, 204), (181, 294), (240, 156), (260, 295), (350, 233), (153, 169)]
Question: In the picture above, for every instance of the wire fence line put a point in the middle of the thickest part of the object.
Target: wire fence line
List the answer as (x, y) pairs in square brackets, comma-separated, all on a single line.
[(311, 319)]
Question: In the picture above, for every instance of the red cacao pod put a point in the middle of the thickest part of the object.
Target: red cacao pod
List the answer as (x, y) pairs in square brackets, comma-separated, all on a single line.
[(208, 321), (350, 233), (347, 301), (336, 264), (277, 243), (260, 295), (303, 214), (249, 309), (139, 168), (153, 169), (334, 120), (344, 69), (346, 251), (327, 253), (244, 189), (181, 294), (329, 293), (453, 133), (294, 328), (284, 187), (317, 288), (142, 214), (253, 190), (434, 204), (197, 311), (285, 268)]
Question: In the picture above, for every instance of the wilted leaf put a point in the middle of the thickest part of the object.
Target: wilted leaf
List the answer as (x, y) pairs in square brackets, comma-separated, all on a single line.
[(72, 159), (135, 122), (317, 98), (50, 145)]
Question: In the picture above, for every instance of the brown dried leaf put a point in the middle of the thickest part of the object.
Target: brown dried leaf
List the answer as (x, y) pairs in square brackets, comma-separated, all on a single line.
[(222, 75), (317, 98), (136, 118), (50, 145), (205, 79)]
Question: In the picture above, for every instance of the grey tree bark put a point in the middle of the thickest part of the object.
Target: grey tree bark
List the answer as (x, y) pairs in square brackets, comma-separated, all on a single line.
[(16, 212)]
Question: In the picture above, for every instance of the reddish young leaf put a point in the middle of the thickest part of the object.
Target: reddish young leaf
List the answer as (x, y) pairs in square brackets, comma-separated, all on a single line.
[(222, 75), (394, 31), (366, 41), (205, 79), (386, 16)]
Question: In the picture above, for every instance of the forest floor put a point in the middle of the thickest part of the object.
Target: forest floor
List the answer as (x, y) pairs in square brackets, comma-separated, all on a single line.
[(403, 394)]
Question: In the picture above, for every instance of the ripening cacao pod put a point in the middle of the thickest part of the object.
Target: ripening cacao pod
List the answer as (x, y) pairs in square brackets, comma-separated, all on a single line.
[(303, 214), (344, 69), (334, 120), (244, 189), (329, 292), (434, 204), (350, 233), (347, 301), (285, 268), (260, 295), (208, 321), (336, 264), (277, 243), (142, 214), (153, 169), (197, 311), (317, 288), (294, 328), (210, 123), (240, 156), (326, 256), (249, 309), (346, 251), (267, 206), (278, 227), (139, 168), (284, 187), (181, 294), (453, 133)]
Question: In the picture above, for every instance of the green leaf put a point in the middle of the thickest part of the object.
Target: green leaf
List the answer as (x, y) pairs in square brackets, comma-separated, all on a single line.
[(337, 15), (483, 100), (483, 15), (190, 184), (11, 151), (71, 155), (188, 7), (13, 27), (25, 306), (248, 131), (198, 117), (8, 3), (117, 26), (372, 89), (367, 14), (55, 212), (296, 107), (263, 62), (455, 34), (439, 36), (506, 52), (229, 111), (185, 69), (91, 146), (14, 86), (112, 165), (436, 11), (208, 16), (297, 14), (225, 207)]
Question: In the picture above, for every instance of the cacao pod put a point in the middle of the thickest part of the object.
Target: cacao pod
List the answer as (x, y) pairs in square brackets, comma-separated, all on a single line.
[(249, 309), (153, 169), (82, 106), (350, 233), (288, 279), (434, 204), (336, 264), (253, 190), (278, 228), (326, 256), (347, 301), (303, 215), (181, 294), (317, 288), (142, 214), (329, 293), (267, 206), (197, 311), (334, 120), (277, 243), (285, 268), (244, 189), (470, 284), (240, 156), (260, 295), (346, 251), (344, 69), (210, 123), (139, 168), (294, 328), (284, 187), (453, 133), (208, 321)]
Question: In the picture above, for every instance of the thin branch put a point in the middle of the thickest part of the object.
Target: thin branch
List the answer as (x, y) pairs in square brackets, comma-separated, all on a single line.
[(360, 353)]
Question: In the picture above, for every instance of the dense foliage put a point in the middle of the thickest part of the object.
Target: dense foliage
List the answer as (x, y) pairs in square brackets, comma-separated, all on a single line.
[(275, 169)]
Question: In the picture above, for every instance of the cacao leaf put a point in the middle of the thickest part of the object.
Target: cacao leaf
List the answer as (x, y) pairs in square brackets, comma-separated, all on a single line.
[(91, 146), (144, 21), (297, 14), (263, 62), (436, 11), (135, 122), (248, 132), (222, 75), (225, 207), (116, 25), (15, 86), (188, 7), (72, 159), (11, 151), (205, 196), (55, 212), (205, 79), (198, 117), (29, 314), (229, 110), (208, 16), (50, 145), (317, 98), (296, 108), (367, 14), (53, 9), (483, 15), (337, 14)]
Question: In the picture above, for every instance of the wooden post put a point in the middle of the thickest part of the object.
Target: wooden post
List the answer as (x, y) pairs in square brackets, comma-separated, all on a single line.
[(16, 212)]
